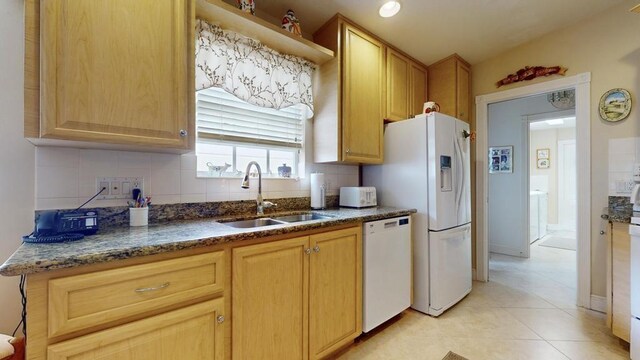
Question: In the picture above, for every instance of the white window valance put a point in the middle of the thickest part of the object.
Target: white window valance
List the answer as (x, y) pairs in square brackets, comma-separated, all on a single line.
[(251, 71)]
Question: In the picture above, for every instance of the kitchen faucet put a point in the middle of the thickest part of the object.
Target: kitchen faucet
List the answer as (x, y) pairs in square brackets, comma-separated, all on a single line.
[(245, 185)]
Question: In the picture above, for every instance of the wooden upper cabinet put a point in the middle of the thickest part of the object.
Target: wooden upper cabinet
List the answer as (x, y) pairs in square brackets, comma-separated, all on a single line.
[(363, 94), (449, 86), (417, 88), (117, 71), (406, 86), (398, 82), (349, 95)]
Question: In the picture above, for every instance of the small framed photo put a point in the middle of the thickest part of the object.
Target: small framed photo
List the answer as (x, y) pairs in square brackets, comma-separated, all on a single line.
[(543, 163), (542, 153), (500, 159)]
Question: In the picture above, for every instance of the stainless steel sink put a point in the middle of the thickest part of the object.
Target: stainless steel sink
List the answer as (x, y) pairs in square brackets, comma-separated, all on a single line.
[(302, 217), (254, 223), (279, 220)]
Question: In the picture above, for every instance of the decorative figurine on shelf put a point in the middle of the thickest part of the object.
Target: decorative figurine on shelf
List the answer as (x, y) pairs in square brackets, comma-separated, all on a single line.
[(291, 24), (247, 6)]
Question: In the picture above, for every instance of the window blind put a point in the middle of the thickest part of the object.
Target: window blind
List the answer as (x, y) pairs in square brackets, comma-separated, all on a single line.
[(222, 116)]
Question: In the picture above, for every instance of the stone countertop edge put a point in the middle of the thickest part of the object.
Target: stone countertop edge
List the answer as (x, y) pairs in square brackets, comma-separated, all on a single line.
[(620, 209), (125, 243), (620, 218)]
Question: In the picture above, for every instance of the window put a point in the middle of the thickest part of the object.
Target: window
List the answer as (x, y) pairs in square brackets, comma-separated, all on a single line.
[(232, 132)]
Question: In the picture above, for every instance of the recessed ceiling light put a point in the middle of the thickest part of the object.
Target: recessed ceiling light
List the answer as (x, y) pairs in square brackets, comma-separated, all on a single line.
[(389, 9)]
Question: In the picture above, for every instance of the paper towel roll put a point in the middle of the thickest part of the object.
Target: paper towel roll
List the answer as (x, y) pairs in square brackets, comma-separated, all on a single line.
[(318, 191)]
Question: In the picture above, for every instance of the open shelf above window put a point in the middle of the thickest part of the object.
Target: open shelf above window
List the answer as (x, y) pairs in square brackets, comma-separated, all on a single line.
[(230, 18)]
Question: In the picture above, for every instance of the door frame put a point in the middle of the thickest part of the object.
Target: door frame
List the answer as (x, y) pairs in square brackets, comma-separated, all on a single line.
[(562, 171), (582, 85)]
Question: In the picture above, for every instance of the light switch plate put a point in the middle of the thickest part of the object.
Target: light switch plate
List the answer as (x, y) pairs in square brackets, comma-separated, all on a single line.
[(118, 187)]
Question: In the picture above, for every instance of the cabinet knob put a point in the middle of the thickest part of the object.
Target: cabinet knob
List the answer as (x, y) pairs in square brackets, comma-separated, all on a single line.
[(183, 133), (602, 232), (348, 151), (316, 248), (220, 319), (307, 251)]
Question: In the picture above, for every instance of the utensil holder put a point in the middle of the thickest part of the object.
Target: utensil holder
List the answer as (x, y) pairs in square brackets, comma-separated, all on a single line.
[(139, 216)]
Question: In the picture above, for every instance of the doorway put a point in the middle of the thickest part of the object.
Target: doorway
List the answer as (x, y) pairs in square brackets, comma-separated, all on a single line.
[(581, 84), (552, 180)]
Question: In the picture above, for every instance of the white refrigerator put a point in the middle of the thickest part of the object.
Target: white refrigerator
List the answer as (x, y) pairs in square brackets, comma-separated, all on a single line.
[(427, 167)]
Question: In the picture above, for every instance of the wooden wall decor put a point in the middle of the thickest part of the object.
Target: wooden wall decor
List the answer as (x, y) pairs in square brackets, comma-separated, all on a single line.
[(530, 73)]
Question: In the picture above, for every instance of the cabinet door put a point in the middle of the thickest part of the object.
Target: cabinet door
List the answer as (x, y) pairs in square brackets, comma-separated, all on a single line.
[(117, 71), (194, 332), (269, 302), (335, 294), (397, 86), (442, 86), (620, 269), (462, 91), (363, 97), (417, 89)]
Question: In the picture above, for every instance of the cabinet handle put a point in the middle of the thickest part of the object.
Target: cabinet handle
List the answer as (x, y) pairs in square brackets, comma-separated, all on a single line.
[(183, 133), (602, 232), (220, 319), (307, 251), (316, 248), (348, 151), (141, 290)]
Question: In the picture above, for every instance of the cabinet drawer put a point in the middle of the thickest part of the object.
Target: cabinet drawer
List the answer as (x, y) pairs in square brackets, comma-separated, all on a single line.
[(193, 332), (82, 301)]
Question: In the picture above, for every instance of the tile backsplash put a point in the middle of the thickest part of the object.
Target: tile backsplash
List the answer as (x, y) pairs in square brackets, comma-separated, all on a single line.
[(623, 154), (66, 178)]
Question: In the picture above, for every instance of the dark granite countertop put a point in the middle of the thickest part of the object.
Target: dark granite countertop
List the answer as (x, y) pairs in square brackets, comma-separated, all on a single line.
[(123, 243), (620, 209)]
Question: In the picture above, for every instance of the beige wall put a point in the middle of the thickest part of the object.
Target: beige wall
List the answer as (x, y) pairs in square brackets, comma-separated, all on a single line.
[(17, 169), (608, 46), (546, 139)]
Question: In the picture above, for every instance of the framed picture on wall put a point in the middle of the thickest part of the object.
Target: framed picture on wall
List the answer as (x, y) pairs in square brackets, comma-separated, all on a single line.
[(542, 153), (543, 163), (500, 159)]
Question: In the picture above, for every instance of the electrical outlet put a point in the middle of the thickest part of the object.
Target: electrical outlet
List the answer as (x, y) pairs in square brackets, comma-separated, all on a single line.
[(115, 188), (118, 187), (103, 185)]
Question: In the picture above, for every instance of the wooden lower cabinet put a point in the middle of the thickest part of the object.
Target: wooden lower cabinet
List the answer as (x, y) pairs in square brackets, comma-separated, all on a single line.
[(298, 298), (269, 300), (278, 298), (193, 332), (619, 312), (335, 292)]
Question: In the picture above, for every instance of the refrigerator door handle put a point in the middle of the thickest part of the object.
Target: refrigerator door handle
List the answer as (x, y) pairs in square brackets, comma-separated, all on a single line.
[(459, 173)]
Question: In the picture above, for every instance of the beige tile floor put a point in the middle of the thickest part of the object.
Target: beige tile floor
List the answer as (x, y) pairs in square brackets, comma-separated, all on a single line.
[(526, 311)]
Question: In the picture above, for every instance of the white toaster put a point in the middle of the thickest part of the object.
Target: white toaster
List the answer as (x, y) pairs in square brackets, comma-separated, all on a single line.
[(358, 196)]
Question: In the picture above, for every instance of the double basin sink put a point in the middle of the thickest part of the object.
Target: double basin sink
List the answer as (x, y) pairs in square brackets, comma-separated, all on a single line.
[(277, 220)]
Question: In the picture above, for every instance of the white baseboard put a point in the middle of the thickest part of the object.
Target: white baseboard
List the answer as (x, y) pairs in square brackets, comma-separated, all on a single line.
[(598, 303), (558, 227), (505, 250)]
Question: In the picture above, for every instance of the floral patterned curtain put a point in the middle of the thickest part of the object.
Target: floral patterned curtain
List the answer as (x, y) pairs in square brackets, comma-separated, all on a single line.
[(251, 71)]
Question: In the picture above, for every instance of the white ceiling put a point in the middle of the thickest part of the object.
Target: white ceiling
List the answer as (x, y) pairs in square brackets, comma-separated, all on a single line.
[(430, 30)]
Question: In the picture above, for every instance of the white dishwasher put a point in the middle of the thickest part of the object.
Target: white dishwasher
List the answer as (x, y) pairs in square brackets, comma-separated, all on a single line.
[(386, 270)]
